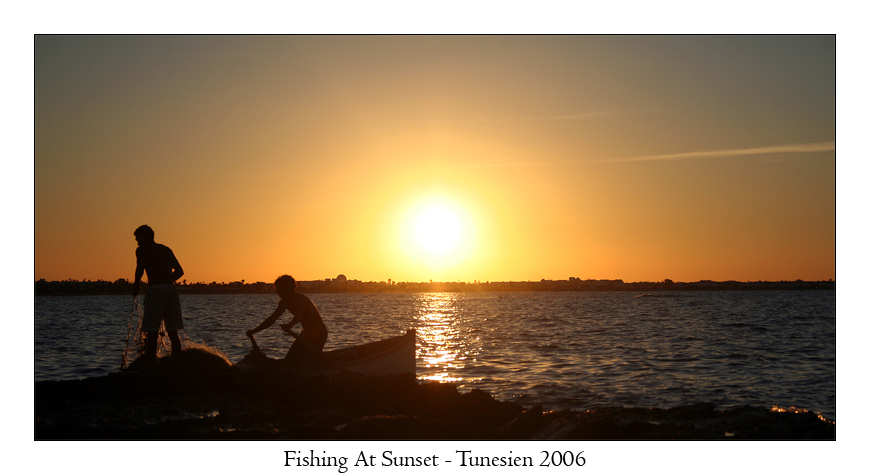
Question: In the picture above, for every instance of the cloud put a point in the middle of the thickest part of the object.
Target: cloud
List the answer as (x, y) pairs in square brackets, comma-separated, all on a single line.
[(778, 149), (569, 117)]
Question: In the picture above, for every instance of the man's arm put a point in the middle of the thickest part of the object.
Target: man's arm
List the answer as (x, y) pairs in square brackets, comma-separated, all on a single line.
[(177, 272), (269, 320), (138, 274), (293, 321)]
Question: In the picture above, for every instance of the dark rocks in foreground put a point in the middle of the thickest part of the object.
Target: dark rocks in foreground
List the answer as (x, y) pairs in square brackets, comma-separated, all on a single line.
[(193, 396)]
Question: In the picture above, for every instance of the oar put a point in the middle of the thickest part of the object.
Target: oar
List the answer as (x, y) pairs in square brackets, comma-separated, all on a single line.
[(254, 343)]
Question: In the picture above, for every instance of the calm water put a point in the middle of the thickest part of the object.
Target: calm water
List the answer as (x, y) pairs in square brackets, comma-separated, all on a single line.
[(563, 350)]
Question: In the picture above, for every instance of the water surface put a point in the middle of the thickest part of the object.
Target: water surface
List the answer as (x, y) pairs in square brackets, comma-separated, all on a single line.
[(575, 350)]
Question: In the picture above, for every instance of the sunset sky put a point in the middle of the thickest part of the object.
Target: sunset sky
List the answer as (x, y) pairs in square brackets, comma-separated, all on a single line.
[(451, 158)]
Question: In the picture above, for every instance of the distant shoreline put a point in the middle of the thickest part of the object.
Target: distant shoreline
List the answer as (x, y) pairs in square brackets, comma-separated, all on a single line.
[(122, 286)]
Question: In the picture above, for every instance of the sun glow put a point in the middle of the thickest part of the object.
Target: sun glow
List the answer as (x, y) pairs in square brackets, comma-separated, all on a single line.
[(437, 233), (438, 230)]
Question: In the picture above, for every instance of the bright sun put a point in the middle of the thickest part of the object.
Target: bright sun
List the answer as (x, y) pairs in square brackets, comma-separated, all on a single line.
[(437, 230), (437, 233)]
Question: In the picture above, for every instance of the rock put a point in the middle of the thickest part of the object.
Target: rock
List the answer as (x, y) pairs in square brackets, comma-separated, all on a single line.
[(201, 397)]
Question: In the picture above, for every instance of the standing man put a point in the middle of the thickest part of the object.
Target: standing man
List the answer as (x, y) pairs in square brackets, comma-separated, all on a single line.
[(161, 300)]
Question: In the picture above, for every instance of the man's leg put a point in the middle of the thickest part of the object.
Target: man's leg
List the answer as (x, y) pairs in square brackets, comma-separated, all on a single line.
[(151, 345), (175, 341)]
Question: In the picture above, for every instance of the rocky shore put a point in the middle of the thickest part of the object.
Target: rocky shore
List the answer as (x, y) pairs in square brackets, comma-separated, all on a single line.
[(199, 396)]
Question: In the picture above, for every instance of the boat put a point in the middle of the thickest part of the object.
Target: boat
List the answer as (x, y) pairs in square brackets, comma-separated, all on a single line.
[(394, 355), (391, 356)]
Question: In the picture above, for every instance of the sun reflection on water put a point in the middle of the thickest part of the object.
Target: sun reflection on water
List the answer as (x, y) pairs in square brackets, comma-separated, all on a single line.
[(443, 345)]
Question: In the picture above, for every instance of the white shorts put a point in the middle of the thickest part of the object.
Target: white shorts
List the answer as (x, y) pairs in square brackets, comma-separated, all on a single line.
[(162, 304)]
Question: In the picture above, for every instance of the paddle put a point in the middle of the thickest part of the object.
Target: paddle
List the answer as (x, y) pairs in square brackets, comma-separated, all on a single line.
[(254, 343)]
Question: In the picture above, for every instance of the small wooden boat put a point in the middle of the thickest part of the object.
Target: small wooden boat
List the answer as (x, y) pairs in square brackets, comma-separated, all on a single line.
[(384, 357), (392, 356)]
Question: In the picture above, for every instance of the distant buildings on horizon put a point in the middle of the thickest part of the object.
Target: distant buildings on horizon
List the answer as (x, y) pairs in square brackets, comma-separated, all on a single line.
[(341, 284)]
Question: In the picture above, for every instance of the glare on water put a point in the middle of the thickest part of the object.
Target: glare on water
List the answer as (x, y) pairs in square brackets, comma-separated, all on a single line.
[(440, 340), (562, 350)]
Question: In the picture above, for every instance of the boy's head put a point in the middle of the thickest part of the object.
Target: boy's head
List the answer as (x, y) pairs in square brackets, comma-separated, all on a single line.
[(285, 284), (144, 233)]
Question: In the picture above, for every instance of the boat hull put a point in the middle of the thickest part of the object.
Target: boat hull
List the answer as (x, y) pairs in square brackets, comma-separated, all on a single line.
[(392, 356), (395, 355)]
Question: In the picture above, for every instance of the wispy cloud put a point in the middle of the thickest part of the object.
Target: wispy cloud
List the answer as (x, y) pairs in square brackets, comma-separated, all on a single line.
[(778, 149), (569, 117), (698, 155)]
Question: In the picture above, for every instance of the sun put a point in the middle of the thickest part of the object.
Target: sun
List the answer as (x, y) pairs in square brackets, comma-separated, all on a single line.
[(437, 230), (437, 233)]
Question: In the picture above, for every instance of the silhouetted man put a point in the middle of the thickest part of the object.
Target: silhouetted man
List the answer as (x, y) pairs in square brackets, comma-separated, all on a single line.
[(161, 300)]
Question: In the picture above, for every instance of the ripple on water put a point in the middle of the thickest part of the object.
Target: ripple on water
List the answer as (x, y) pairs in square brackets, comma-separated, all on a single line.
[(613, 346)]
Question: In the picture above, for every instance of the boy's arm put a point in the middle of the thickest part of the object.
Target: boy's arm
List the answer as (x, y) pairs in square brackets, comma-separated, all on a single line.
[(293, 307), (269, 320), (293, 321)]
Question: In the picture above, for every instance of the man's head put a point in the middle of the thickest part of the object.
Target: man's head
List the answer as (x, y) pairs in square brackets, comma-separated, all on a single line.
[(144, 234), (285, 285)]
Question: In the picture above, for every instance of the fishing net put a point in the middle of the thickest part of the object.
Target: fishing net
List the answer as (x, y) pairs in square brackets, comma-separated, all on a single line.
[(136, 339), (135, 344)]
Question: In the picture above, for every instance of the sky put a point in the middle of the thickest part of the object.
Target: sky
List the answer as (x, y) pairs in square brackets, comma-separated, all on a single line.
[(445, 158)]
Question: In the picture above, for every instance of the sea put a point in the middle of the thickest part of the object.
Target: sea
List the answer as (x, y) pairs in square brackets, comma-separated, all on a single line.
[(561, 350)]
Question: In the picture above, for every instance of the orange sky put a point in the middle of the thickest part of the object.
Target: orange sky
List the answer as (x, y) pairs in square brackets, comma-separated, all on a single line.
[(615, 157)]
